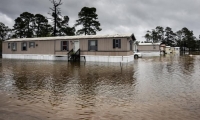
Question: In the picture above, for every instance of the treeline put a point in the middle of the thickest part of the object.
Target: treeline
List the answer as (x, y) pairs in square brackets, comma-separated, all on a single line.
[(183, 38), (0, 48), (29, 25)]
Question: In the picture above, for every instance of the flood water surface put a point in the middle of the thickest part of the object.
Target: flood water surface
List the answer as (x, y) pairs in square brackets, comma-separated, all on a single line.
[(152, 88)]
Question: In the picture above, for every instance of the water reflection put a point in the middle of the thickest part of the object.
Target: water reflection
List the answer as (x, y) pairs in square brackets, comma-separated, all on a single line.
[(140, 90), (1, 71), (56, 78), (187, 64)]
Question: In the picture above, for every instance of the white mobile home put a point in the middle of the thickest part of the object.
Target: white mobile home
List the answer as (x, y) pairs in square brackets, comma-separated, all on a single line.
[(101, 48)]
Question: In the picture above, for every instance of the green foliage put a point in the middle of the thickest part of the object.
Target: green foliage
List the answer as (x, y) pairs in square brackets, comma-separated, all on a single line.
[(170, 37), (4, 30), (63, 28), (137, 42), (29, 25), (24, 25), (188, 40), (0, 46), (160, 33), (182, 38), (88, 19), (41, 26), (156, 35)]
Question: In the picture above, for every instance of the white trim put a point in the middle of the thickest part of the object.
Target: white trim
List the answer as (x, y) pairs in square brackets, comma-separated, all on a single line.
[(34, 57), (150, 53), (92, 58), (149, 43)]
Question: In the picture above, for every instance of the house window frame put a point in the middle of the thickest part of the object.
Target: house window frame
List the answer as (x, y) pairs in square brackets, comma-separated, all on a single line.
[(14, 46), (92, 47), (24, 46), (9, 45), (31, 45), (67, 45), (131, 45), (116, 43)]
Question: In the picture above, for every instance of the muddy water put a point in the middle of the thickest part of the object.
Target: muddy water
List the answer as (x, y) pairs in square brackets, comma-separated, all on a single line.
[(153, 88)]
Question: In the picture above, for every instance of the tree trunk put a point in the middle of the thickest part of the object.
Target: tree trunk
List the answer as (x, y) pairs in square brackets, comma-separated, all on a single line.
[(54, 31)]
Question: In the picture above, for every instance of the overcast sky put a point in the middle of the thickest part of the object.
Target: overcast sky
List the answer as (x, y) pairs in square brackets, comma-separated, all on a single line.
[(116, 16)]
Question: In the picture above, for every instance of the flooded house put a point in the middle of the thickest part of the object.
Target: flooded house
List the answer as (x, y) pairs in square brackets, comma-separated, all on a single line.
[(150, 49), (100, 48), (174, 50)]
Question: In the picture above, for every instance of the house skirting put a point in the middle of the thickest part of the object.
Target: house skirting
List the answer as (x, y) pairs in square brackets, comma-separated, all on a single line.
[(91, 58), (150, 53), (34, 57), (94, 58)]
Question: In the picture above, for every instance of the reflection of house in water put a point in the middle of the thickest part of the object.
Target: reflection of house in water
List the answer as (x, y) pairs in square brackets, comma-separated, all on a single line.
[(97, 80), (58, 82), (35, 81)]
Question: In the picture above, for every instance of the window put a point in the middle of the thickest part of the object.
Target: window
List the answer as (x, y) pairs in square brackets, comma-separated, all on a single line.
[(92, 45), (24, 46), (131, 45), (14, 46), (116, 43), (31, 44), (64, 45), (8, 45)]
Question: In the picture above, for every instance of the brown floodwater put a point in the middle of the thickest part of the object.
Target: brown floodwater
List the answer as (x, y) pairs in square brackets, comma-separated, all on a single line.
[(151, 88)]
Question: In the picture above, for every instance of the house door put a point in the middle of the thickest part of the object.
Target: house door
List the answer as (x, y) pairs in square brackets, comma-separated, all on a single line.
[(76, 45)]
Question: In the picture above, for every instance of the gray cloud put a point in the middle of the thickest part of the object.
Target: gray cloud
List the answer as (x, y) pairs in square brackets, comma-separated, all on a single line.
[(116, 16)]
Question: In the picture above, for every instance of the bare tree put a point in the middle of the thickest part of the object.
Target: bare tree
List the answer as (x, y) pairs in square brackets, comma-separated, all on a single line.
[(55, 14)]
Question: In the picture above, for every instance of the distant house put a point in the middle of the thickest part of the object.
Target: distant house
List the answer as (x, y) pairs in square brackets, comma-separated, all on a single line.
[(149, 47), (101, 48), (162, 48), (170, 49)]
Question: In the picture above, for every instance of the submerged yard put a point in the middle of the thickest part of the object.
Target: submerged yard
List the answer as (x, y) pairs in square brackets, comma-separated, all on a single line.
[(151, 88)]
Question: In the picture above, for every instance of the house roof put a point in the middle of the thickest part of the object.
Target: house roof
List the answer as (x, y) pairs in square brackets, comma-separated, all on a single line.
[(130, 35)]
